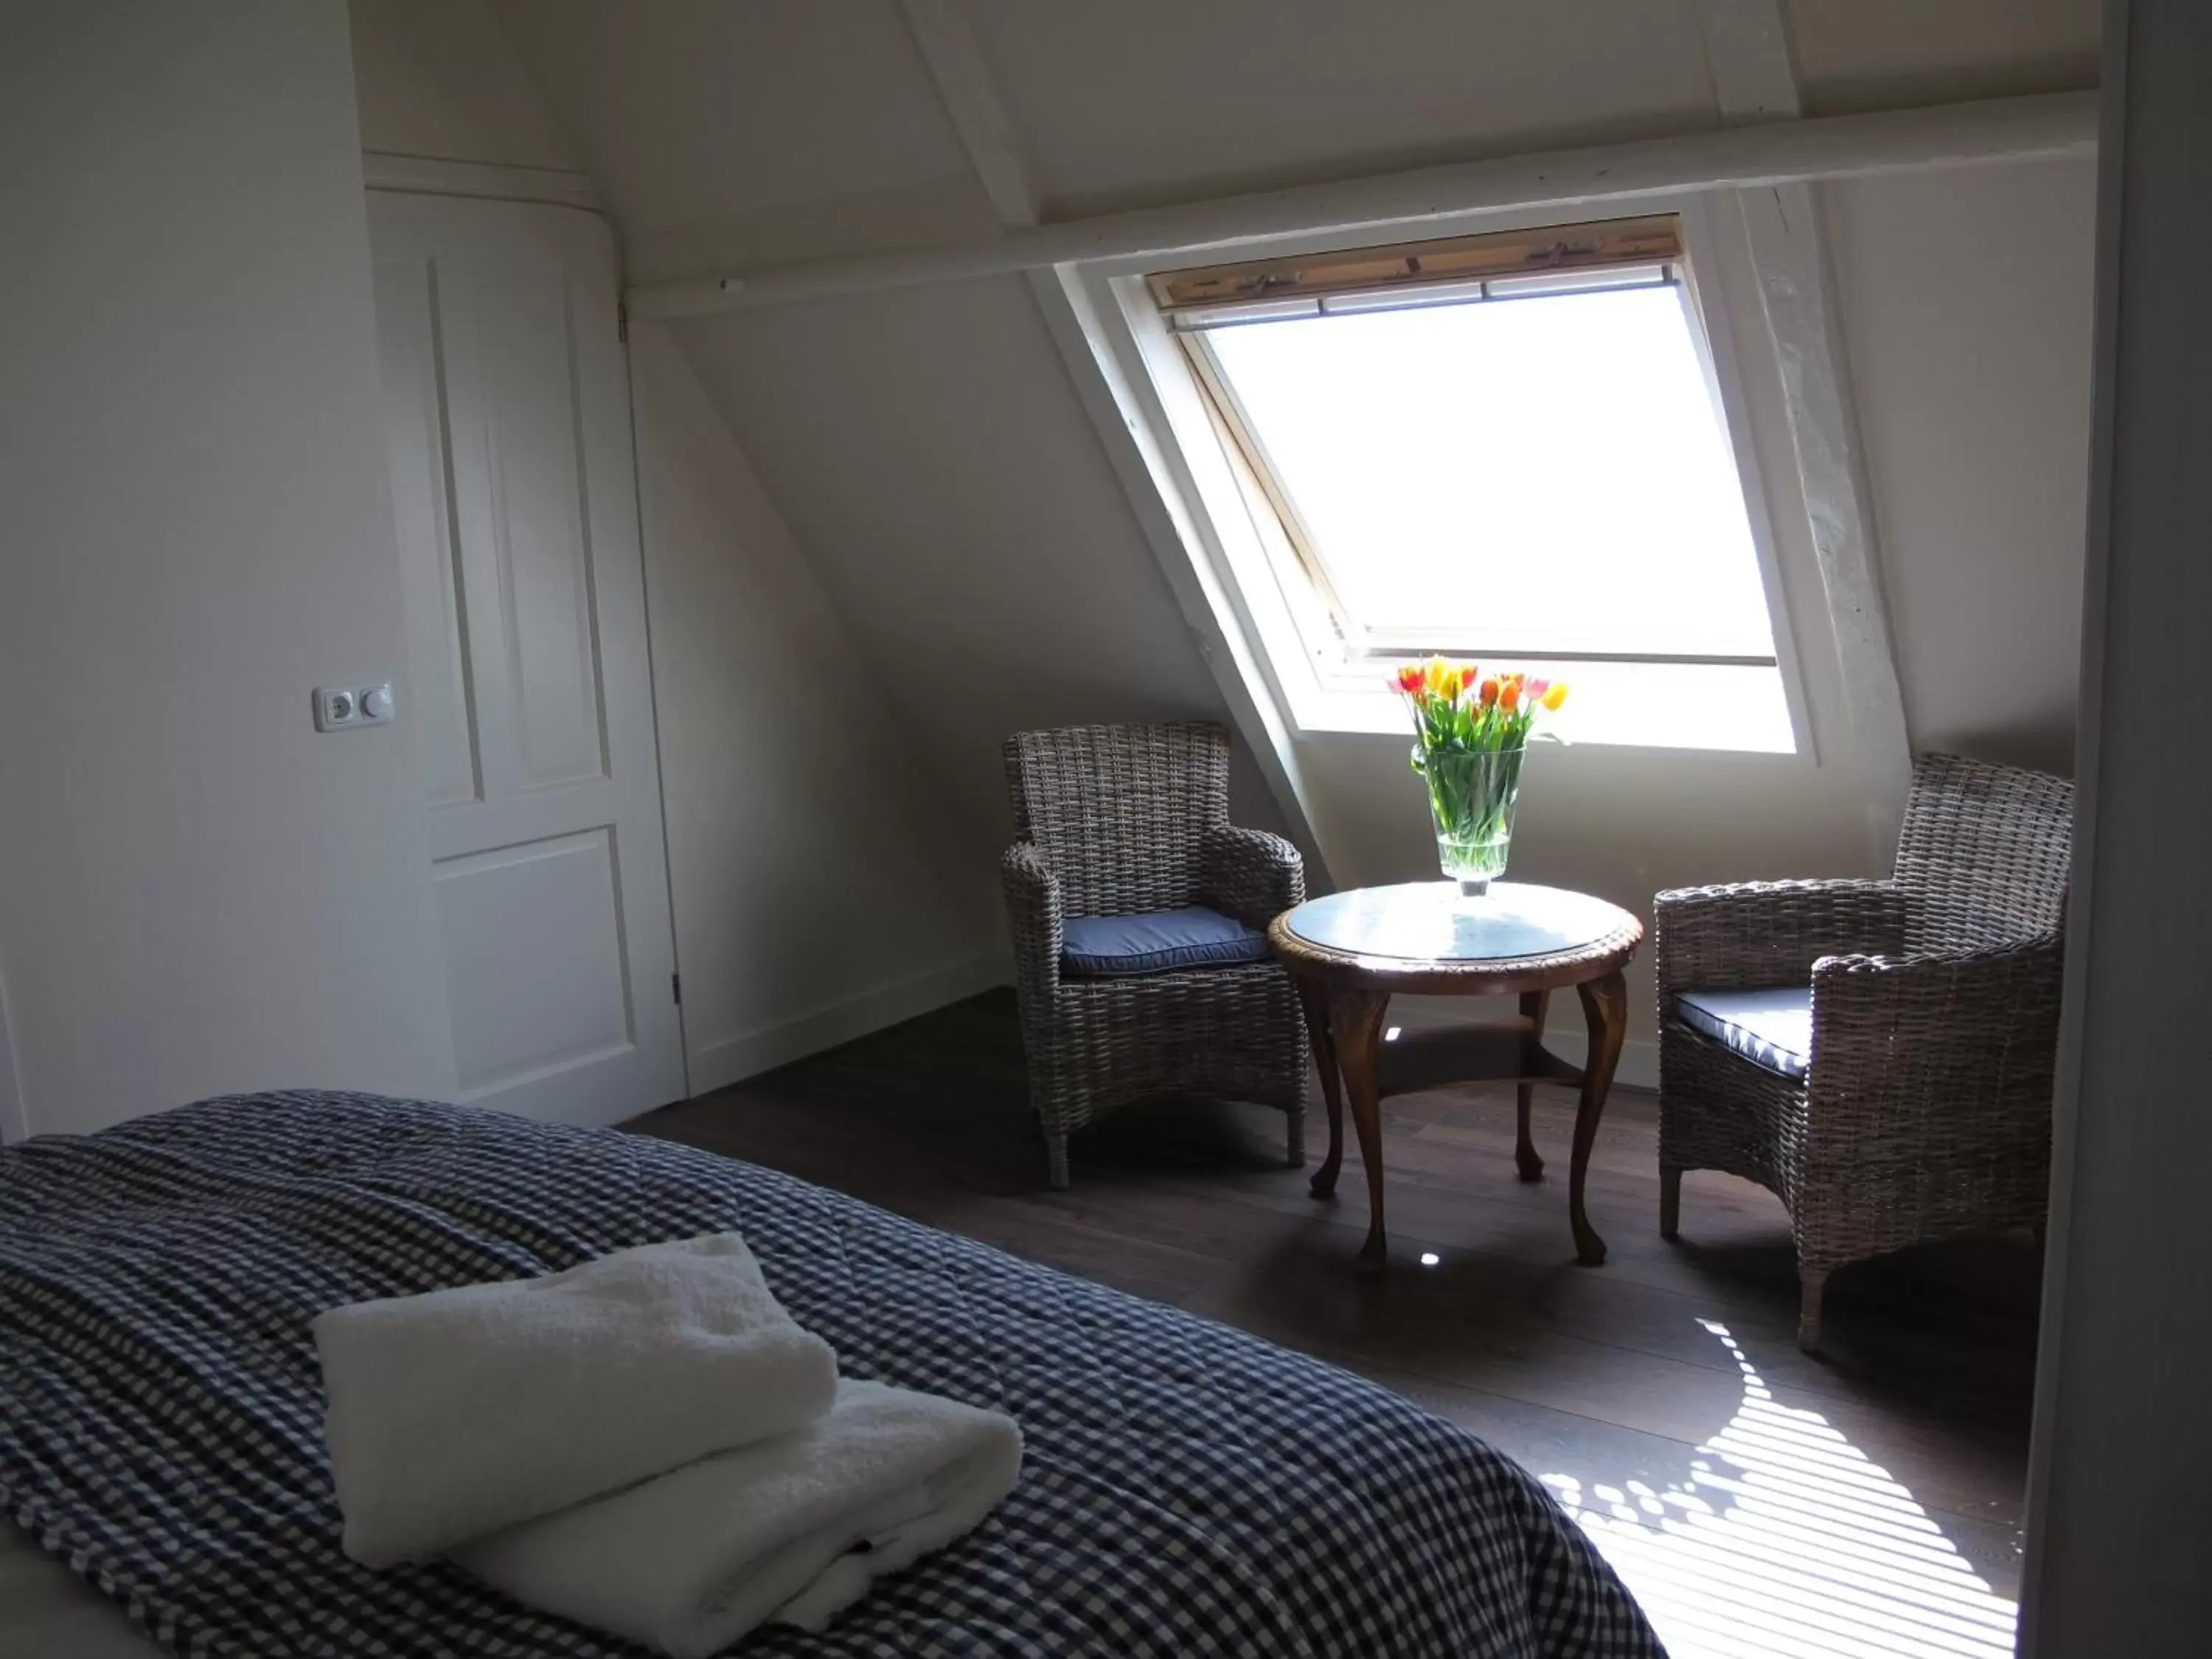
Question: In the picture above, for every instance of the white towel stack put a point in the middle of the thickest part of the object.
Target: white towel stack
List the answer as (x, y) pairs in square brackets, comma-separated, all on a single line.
[(646, 1443)]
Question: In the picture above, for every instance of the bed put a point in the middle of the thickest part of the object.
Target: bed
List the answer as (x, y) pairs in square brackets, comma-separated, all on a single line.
[(1187, 1489)]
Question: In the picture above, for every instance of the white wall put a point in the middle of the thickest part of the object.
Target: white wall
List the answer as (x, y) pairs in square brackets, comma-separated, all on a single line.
[(2121, 1462), (198, 892), (815, 897), (817, 891), (1965, 296)]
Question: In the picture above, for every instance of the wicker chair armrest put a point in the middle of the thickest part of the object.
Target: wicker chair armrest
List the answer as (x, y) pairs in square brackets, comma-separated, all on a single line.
[(1972, 1034), (1756, 933), (1036, 915), (1249, 874), (1988, 1000)]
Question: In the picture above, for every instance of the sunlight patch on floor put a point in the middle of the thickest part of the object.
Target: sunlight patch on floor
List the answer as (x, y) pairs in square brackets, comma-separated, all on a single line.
[(1785, 1539)]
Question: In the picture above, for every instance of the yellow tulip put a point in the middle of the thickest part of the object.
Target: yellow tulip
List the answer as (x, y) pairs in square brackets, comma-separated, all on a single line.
[(1555, 694)]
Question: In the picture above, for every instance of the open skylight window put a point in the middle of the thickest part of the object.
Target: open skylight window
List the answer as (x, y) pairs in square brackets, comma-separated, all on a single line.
[(1509, 447)]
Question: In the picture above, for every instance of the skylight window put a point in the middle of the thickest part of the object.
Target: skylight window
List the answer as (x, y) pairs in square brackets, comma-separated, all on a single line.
[(1508, 447)]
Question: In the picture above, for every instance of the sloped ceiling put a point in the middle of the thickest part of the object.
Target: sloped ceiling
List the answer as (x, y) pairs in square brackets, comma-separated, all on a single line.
[(1153, 99), (721, 129), (926, 444), (965, 516), (785, 128), (1880, 54)]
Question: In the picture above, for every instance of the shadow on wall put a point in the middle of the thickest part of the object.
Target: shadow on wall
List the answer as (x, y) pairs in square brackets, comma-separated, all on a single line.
[(2045, 745), (1780, 1536)]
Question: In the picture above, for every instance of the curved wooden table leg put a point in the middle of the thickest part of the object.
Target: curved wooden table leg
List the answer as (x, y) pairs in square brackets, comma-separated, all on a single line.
[(1355, 1021), (1605, 1005), (1315, 1001), (1531, 1167)]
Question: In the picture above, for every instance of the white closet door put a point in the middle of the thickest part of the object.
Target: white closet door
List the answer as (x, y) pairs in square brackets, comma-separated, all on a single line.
[(506, 417)]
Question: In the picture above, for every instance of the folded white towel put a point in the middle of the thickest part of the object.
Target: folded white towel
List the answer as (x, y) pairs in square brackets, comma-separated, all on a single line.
[(458, 1412), (791, 1529)]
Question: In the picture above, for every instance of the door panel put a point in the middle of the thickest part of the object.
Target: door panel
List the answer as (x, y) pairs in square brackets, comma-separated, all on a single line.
[(430, 573), (533, 405), (546, 915), (508, 420)]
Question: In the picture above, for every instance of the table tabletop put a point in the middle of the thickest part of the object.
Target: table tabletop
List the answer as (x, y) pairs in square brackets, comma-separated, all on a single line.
[(1432, 923)]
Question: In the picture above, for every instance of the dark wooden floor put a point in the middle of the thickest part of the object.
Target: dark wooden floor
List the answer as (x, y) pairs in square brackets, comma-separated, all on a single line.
[(1617, 1377)]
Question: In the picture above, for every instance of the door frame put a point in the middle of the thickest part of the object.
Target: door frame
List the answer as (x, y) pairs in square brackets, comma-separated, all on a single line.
[(493, 181), (15, 1108)]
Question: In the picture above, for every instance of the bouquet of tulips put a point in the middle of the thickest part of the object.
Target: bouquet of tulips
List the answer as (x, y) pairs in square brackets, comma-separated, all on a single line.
[(1471, 730)]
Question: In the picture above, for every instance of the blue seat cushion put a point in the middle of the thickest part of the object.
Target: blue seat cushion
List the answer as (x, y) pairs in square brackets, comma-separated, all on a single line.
[(1155, 941), (1772, 1028)]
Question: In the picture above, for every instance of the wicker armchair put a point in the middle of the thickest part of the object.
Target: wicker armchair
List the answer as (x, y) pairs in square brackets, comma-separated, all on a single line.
[(1116, 820), (1923, 1108)]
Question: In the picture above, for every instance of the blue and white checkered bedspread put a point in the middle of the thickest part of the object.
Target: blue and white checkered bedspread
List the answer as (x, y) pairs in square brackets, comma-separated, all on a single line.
[(1187, 1490)]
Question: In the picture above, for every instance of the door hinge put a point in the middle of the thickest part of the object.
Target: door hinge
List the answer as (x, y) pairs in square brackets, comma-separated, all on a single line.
[(676, 988), (622, 322)]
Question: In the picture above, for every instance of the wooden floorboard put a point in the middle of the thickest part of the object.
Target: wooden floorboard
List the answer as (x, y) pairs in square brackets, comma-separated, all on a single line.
[(1604, 1376)]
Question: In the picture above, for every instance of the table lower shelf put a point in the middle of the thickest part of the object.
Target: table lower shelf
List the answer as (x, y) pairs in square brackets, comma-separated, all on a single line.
[(1434, 1056), (1363, 1058)]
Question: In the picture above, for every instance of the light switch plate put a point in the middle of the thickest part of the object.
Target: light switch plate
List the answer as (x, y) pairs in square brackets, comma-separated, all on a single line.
[(342, 708)]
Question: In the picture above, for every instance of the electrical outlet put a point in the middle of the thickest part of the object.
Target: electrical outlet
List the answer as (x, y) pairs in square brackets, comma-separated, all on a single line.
[(342, 708)]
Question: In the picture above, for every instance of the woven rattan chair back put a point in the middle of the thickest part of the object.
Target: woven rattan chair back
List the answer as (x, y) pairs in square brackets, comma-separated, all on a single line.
[(1119, 811), (1983, 855)]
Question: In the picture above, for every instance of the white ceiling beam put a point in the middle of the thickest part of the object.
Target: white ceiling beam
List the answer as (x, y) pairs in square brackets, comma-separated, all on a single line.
[(1748, 157), (1748, 54), (1755, 84), (970, 96)]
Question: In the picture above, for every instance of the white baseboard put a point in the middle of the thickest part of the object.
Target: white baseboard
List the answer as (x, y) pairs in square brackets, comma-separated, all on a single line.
[(746, 1054), (1564, 1034)]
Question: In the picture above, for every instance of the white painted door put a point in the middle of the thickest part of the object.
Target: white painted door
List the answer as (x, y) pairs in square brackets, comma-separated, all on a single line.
[(506, 417)]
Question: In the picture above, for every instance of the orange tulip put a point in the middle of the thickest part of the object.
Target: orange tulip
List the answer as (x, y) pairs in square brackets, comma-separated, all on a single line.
[(1510, 694), (1489, 692), (1555, 694)]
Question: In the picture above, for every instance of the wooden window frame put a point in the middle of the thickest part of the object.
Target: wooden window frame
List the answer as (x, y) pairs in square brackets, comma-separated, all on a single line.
[(1188, 297)]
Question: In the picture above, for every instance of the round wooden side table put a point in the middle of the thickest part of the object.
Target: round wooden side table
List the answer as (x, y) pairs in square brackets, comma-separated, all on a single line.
[(1351, 952)]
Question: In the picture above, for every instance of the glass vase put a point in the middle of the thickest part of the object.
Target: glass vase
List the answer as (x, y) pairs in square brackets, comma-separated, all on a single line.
[(1471, 795)]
